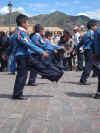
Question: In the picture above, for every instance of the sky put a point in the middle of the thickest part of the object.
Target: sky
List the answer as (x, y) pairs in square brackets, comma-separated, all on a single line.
[(90, 8)]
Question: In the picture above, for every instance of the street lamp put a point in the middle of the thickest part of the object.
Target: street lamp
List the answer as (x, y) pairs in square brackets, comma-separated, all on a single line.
[(10, 11)]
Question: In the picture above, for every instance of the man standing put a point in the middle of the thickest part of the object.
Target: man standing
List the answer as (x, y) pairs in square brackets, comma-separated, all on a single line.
[(79, 53)]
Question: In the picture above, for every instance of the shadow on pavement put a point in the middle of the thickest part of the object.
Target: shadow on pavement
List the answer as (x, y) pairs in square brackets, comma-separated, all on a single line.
[(37, 84), (75, 94), (34, 96), (75, 83), (39, 96), (42, 83), (5, 96), (70, 82)]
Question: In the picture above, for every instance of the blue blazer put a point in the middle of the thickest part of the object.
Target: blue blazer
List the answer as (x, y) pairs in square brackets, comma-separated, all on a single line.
[(97, 41), (87, 41), (21, 43)]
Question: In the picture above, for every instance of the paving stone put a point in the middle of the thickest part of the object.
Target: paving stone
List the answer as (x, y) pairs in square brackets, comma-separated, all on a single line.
[(63, 107)]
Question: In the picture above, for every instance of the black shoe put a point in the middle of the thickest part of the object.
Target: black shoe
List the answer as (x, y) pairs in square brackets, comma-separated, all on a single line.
[(43, 77), (84, 83), (32, 84), (97, 96), (94, 75), (19, 98)]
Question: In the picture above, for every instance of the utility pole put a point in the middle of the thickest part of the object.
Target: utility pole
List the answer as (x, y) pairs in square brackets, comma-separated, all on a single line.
[(10, 12)]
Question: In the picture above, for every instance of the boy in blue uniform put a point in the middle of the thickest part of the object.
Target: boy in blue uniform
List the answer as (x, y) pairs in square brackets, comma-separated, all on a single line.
[(49, 43), (87, 43), (45, 45), (38, 40), (20, 45), (56, 49), (97, 58)]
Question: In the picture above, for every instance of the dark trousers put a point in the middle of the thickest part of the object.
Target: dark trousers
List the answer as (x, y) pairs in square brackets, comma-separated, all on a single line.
[(2, 63), (88, 65), (49, 63), (80, 61), (49, 71), (46, 68), (97, 70), (68, 63), (98, 89), (33, 75), (58, 60), (21, 76)]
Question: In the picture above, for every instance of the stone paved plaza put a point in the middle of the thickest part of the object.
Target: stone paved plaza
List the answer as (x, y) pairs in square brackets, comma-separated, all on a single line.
[(63, 107)]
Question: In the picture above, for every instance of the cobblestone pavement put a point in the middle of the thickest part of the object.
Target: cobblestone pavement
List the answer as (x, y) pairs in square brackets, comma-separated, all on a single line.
[(65, 107)]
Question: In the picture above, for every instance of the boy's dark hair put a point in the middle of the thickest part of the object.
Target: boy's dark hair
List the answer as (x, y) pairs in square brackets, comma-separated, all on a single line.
[(91, 23), (38, 28), (48, 34), (21, 19), (31, 35)]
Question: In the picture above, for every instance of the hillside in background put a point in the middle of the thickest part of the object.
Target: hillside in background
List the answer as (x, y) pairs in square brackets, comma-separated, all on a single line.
[(57, 18)]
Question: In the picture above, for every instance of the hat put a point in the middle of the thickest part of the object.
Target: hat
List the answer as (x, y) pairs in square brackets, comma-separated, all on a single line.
[(76, 28)]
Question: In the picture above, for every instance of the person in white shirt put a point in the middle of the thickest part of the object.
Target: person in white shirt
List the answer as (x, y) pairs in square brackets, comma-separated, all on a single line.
[(80, 53)]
